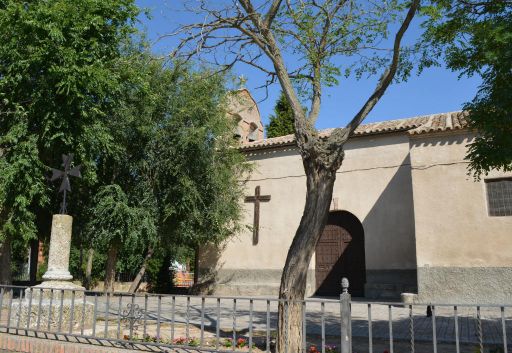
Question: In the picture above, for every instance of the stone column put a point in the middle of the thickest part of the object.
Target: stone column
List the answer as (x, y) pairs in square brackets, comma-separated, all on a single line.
[(60, 247)]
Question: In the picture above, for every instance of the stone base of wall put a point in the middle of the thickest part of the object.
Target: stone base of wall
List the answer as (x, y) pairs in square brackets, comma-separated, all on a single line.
[(380, 284), (243, 282), (483, 285), (389, 284), (120, 286)]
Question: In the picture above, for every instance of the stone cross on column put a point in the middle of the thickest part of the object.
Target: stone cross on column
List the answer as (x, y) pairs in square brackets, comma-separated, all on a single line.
[(256, 199)]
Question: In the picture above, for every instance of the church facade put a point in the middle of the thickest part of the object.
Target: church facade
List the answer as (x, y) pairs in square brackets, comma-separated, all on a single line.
[(405, 217)]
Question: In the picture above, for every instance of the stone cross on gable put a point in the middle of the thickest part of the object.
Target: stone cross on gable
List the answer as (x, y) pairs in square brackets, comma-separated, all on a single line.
[(256, 199), (242, 80)]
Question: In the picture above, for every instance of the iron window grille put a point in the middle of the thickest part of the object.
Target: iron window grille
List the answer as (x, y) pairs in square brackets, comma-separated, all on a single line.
[(499, 197)]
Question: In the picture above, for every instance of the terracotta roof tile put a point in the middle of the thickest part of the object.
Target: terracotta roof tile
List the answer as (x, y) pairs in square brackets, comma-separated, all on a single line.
[(414, 126), (442, 122)]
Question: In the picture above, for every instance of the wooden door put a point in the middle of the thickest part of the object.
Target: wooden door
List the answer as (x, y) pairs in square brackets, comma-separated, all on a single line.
[(340, 253), (329, 250)]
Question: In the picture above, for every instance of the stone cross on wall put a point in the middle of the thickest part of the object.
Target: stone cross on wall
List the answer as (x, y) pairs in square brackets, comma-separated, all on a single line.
[(256, 199)]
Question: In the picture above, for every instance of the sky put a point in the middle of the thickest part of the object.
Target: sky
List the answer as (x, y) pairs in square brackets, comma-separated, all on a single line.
[(436, 90)]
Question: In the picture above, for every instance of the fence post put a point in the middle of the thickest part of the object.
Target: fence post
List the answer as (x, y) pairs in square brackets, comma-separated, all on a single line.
[(346, 340)]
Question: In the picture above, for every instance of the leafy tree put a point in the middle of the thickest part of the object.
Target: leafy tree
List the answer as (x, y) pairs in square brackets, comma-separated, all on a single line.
[(281, 123), (194, 167), (118, 222), (475, 38), (59, 82), (304, 45), (157, 164), (174, 179), (121, 213)]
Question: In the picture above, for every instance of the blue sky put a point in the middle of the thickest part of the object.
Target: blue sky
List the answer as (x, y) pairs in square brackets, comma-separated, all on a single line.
[(436, 90)]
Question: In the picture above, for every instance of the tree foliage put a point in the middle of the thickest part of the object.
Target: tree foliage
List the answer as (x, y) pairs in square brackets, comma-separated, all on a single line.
[(176, 167), (115, 218), (157, 156), (58, 70), (195, 169), (475, 38), (281, 123)]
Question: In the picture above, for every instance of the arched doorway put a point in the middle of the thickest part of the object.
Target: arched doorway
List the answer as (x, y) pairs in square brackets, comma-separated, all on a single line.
[(340, 253)]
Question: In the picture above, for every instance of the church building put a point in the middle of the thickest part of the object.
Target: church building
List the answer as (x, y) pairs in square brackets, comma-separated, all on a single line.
[(405, 216)]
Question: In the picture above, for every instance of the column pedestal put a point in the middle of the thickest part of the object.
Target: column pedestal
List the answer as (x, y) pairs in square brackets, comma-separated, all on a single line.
[(57, 293)]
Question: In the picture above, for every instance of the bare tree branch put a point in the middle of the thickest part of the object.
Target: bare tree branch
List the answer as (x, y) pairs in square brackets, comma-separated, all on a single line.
[(321, 54), (341, 135), (302, 126), (272, 12), (318, 36)]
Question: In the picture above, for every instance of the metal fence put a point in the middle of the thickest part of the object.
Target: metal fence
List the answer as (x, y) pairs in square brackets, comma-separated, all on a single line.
[(227, 324)]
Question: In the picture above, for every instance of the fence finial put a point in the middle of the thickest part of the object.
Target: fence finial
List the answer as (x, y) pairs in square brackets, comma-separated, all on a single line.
[(344, 285)]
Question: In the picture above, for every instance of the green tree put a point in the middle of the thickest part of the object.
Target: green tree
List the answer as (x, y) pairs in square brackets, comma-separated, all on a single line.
[(194, 166), (128, 221), (281, 123), (475, 37), (59, 80), (174, 180), (119, 223), (305, 46), (158, 166)]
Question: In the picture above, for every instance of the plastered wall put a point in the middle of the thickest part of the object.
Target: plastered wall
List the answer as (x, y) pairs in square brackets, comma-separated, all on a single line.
[(463, 254), (374, 184)]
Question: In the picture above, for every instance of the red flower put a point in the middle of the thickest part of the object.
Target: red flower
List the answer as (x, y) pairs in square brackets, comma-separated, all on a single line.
[(241, 342), (313, 349)]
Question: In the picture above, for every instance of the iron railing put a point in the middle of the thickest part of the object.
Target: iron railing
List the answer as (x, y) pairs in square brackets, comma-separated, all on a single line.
[(227, 324)]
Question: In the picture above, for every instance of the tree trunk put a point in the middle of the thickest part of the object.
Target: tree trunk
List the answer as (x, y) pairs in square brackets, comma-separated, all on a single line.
[(81, 261), (196, 265), (136, 282), (88, 269), (320, 182), (34, 254), (110, 271), (5, 262)]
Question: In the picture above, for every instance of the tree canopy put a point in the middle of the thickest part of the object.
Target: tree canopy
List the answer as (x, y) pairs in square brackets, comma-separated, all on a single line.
[(195, 169), (175, 180), (475, 37), (59, 76), (152, 137), (281, 123)]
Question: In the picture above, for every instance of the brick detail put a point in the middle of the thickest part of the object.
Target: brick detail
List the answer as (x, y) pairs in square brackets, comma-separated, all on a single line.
[(32, 344)]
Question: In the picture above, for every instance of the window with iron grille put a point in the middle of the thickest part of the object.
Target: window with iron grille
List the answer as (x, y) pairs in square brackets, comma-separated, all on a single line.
[(499, 196)]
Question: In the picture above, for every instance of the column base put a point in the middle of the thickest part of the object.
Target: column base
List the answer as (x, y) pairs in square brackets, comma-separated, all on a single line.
[(54, 304), (48, 289), (56, 275)]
